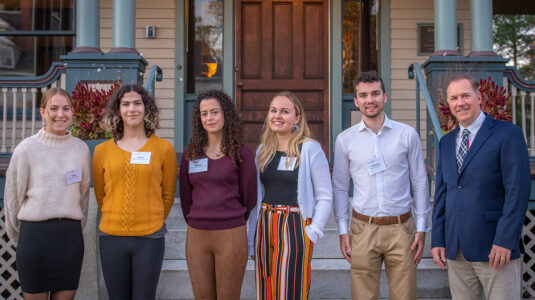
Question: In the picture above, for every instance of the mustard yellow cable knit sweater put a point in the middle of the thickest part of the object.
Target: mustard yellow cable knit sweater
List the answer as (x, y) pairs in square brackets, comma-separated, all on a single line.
[(134, 199), (36, 185)]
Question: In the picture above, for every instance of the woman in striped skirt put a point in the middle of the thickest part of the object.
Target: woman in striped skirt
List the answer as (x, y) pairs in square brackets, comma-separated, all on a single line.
[(294, 202)]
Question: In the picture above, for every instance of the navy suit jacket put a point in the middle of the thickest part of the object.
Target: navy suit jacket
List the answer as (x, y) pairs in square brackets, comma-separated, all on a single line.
[(485, 203)]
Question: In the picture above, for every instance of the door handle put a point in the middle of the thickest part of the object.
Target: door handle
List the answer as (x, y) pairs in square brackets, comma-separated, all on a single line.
[(240, 84)]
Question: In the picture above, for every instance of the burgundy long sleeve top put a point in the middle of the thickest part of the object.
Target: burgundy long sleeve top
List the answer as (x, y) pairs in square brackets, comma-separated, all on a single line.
[(221, 197)]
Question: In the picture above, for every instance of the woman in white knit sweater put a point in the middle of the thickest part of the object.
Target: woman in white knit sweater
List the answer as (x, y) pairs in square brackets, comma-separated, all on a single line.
[(45, 203), (294, 202)]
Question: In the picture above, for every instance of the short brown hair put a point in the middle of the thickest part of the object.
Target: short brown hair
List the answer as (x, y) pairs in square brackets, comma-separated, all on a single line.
[(463, 76), (368, 77)]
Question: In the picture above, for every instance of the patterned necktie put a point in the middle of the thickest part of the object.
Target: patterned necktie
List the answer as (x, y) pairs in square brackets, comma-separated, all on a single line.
[(462, 149)]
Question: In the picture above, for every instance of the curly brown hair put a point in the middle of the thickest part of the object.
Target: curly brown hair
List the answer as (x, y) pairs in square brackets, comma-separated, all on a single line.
[(233, 133), (112, 118)]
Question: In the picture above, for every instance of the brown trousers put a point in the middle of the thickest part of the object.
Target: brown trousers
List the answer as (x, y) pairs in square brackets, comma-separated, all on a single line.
[(371, 245), (216, 262)]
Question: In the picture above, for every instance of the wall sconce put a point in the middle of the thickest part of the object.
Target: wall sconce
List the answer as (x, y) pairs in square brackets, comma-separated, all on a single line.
[(150, 32)]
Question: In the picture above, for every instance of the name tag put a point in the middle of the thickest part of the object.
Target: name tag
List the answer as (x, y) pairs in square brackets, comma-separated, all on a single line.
[(198, 165), (287, 167), (73, 176), (140, 158), (376, 165)]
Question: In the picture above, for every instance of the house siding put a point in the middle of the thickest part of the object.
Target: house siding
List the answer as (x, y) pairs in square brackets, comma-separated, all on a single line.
[(158, 51), (404, 17)]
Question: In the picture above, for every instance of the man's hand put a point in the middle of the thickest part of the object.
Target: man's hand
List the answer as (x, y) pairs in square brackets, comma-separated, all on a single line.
[(439, 256), (345, 247), (499, 257), (418, 245)]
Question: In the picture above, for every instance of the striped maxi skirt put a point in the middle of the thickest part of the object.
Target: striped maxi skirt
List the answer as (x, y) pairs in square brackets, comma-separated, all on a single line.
[(283, 253)]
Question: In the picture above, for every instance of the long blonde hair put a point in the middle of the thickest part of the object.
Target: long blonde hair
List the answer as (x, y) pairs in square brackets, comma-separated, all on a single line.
[(269, 139)]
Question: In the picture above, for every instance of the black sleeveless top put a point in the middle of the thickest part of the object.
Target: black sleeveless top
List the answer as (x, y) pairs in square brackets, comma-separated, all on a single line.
[(280, 187)]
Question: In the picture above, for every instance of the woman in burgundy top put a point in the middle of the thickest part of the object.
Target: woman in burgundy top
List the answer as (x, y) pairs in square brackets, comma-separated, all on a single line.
[(218, 190)]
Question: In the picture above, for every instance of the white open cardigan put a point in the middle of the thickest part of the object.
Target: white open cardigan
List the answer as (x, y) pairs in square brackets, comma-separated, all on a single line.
[(314, 192)]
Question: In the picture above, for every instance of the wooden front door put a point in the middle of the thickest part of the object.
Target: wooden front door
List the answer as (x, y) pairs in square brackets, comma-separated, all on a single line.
[(282, 46)]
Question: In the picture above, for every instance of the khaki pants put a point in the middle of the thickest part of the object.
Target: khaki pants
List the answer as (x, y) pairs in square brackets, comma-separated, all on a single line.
[(216, 262), (472, 280), (372, 244)]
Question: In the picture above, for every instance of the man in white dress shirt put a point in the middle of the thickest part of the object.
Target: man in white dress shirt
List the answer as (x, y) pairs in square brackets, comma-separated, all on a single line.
[(384, 159)]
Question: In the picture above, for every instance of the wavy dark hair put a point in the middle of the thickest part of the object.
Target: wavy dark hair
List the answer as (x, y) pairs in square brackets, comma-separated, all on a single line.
[(233, 133), (112, 117)]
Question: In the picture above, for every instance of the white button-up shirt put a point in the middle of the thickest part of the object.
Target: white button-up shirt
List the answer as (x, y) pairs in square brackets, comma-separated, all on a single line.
[(388, 192)]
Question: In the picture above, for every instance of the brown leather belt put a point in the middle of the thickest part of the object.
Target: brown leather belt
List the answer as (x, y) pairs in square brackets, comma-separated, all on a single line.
[(388, 220)]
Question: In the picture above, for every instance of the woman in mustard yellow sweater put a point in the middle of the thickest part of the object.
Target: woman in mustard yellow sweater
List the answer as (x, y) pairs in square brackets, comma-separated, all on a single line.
[(134, 175)]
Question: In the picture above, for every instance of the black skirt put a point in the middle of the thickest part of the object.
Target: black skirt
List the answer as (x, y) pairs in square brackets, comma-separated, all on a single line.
[(49, 255)]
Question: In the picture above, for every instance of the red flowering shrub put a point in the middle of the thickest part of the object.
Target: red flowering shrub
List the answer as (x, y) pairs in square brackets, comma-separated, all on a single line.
[(495, 100), (89, 106)]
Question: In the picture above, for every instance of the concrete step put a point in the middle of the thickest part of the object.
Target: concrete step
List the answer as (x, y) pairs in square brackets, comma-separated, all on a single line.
[(327, 246), (175, 220), (175, 244), (330, 280)]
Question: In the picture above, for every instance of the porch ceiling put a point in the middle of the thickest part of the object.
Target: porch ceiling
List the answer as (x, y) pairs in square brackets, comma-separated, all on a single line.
[(515, 7)]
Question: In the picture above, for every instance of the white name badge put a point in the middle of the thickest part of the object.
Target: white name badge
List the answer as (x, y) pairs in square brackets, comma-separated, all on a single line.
[(73, 176), (140, 158), (198, 165), (376, 165), (282, 164)]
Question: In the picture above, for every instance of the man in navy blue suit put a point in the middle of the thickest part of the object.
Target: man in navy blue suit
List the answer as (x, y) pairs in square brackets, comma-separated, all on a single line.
[(481, 197)]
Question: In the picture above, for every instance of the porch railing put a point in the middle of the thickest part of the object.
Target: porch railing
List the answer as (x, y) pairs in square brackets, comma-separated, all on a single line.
[(155, 74), (523, 93), (19, 98), (523, 111), (435, 133), (18, 104)]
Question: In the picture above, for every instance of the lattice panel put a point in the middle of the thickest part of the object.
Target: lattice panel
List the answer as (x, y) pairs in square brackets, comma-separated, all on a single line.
[(528, 266), (9, 280)]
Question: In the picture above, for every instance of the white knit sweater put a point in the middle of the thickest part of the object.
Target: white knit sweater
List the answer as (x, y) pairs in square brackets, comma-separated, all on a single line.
[(36, 184)]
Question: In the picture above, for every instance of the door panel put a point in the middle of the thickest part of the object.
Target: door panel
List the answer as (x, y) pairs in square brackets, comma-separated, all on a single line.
[(252, 41), (313, 37), (282, 46), (282, 41)]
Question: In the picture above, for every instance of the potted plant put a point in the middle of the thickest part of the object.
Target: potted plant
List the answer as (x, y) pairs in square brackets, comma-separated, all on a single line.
[(89, 107)]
